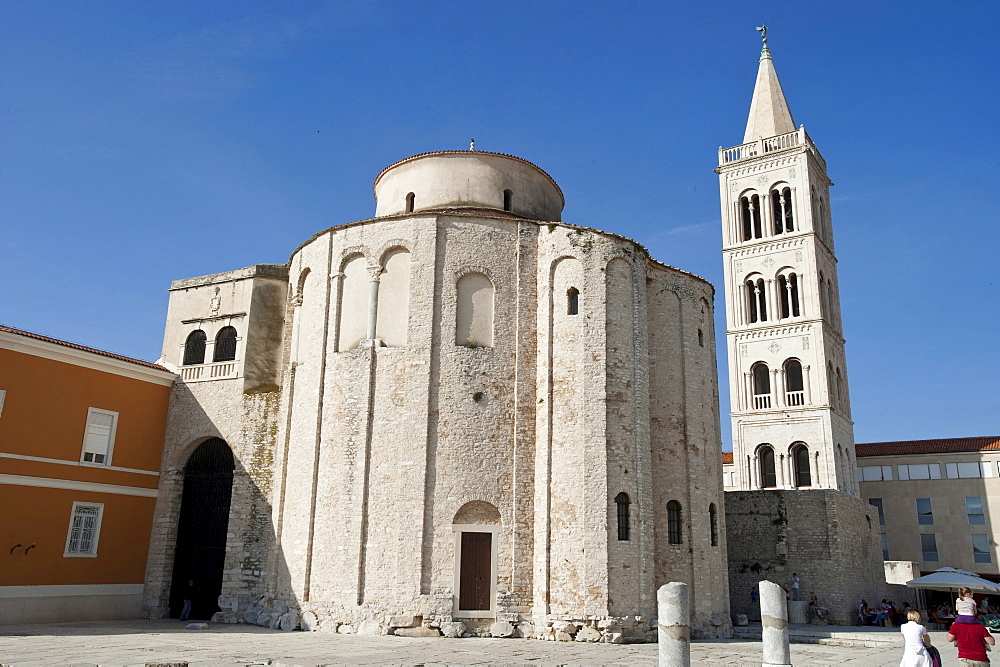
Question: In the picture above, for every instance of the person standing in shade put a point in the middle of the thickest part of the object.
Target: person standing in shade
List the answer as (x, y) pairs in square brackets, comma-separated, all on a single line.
[(795, 587), (973, 641), (188, 596)]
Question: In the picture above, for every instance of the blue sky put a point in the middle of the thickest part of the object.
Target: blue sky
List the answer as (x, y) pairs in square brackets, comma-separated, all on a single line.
[(146, 142)]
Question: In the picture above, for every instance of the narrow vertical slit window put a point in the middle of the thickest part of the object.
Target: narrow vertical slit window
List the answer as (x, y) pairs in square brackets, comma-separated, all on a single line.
[(751, 288), (701, 338), (507, 200), (768, 474), (784, 292), (761, 300), (713, 524), (622, 504), (675, 533), (409, 202)]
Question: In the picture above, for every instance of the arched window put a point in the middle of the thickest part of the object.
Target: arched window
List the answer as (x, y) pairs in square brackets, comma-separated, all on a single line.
[(788, 289), (829, 383), (840, 389), (761, 386), (794, 388), (781, 208), (800, 463), (474, 314), (194, 348), (701, 338), (409, 202), (674, 533), (756, 300), (713, 524), (507, 197), (750, 215), (621, 501), (225, 345), (768, 477), (572, 301)]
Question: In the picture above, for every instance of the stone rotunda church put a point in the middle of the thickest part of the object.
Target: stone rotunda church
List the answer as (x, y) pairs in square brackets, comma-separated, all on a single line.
[(460, 415)]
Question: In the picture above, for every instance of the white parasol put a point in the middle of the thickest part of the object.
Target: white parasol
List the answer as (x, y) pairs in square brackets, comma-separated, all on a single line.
[(949, 578)]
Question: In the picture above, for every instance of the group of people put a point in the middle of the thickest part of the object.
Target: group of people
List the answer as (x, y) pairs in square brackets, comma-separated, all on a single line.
[(884, 613), (967, 632)]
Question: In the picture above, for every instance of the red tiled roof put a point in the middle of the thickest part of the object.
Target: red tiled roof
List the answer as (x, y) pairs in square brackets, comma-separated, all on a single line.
[(84, 348), (727, 457), (943, 445)]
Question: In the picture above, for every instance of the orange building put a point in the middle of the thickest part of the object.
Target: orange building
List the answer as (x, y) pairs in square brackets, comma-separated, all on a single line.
[(81, 434)]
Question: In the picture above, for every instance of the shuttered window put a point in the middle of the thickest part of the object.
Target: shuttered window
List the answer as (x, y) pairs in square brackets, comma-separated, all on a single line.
[(99, 436), (84, 529)]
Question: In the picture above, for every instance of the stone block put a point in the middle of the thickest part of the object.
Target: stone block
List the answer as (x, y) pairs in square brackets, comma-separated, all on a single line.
[(420, 631), (345, 629), (740, 620), (564, 626), (402, 621), (453, 629), (309, 622), (588, 634), (563, 636), (502, 629), (263, 619), (525, 630), (196, 626), (372, 628), (251, 614)]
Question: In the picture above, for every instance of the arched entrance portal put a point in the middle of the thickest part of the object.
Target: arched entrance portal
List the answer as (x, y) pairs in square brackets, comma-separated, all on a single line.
[(201, 531)]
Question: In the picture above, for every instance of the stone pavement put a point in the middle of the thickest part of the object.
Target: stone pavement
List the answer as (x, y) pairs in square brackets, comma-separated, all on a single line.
[(167, 641)]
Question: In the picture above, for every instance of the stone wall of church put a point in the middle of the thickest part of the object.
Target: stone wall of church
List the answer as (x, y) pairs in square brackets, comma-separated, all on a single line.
[(827, 537), (521, 377)]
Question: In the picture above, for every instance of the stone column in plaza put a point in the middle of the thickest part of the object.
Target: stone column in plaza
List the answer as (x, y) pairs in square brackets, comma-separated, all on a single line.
[(674, 631), (774, 624)]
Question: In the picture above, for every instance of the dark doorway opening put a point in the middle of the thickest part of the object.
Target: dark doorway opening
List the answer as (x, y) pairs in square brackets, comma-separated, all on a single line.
[(475, 576), (201, 532)]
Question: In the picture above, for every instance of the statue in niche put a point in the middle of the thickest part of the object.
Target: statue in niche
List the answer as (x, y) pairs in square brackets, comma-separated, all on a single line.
[(216, 303)]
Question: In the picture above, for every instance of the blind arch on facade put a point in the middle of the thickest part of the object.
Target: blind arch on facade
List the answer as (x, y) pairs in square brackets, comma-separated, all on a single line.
[(474, 311)]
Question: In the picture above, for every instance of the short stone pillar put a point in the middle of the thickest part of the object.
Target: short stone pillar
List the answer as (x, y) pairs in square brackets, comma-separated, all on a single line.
[(673, 625), (774, 625), (797, 611)]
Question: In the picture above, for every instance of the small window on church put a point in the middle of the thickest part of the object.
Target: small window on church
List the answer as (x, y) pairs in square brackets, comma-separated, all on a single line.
[(409, 202), (225, 345), (701, 338), (674, 533), (507, 196), (750, 214), (194, 348), (622, 503), (794, 386), (713, 524), (781, 210), (800, 463), (572, 301), (768, 476), (761, 379)]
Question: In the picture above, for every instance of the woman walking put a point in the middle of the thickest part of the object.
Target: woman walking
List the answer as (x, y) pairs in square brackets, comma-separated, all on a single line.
[(915, 642)]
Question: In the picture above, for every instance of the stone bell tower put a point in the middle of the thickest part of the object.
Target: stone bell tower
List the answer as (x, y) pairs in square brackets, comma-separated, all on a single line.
[(791, 414)]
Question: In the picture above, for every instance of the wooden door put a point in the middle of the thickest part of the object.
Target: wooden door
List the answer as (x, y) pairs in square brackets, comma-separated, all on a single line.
[(474, 578)]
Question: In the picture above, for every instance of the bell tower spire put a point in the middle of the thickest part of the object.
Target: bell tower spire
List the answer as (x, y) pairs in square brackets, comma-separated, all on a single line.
[(769, 112), (791, 413)]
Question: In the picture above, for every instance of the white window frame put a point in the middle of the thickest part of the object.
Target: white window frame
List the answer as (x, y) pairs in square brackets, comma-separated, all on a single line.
[(3, 395), (458, 529), (97, 530), (111, 437)]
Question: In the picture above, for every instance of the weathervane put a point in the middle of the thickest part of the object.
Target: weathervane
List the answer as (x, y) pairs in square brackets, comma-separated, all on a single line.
[(763, 32)]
